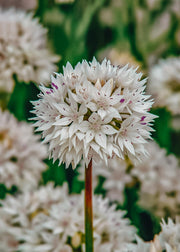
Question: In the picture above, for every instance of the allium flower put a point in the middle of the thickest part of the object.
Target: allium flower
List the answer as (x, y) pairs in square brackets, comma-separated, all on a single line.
[(159, 182), (21, 153), (168, 239), (23, 49), (50, 220), (164, 84), (94, 111)]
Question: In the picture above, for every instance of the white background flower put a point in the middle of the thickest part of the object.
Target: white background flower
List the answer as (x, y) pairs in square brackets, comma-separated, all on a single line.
[(164, 84), (21, 153), (23, 49), (50, 220)]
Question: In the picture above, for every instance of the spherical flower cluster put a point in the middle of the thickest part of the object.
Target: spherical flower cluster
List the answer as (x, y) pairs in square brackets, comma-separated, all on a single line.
[(23, 49), (94, 111), (159, 182), (21, 153), (164, 84), (50, 220)]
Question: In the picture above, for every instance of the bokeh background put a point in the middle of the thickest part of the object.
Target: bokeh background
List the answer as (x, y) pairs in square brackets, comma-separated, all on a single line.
[(138, 32)]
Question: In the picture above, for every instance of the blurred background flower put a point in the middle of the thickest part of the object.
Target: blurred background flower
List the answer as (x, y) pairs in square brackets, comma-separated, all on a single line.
[(144, 33), (22, 154), (49, 219)]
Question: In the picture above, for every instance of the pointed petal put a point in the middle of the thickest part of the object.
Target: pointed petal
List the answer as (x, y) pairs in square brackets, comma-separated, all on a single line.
[(108, 130), (129, 146), (93, 118), (92, 106), (102, 113), (101, 139), (95, 147), (106, 90), (82, 109), (84, 126), (89, 136), (114, 113), (73, 103), (63, 108), (63, 121), (73, 128), (80, 135)]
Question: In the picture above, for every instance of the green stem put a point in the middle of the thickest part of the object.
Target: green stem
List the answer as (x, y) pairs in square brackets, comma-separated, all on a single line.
[(88, 209)]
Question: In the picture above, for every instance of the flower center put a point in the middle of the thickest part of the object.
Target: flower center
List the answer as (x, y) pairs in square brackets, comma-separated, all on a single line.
[(75, 117), (174, 85), (102, 103), (95, 126)]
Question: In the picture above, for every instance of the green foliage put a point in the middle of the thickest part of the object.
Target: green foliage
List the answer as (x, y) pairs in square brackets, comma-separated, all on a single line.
[(80, 30)]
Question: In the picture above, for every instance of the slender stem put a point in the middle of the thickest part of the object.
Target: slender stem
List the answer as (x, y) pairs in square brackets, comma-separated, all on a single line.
[(88, 209)]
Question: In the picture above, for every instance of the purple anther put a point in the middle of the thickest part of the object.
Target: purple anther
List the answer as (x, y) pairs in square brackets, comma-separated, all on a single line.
[(48, 92), (143, 123), (122, 100), (54, 85), (142, 118)]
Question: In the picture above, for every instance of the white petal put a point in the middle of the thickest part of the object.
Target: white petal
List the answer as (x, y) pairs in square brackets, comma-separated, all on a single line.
[(84, 126), (63, 121), (63, 108), (80, 135), (92, 106), (120, 142), (107, 88), (73, 128), (108, 118), (102, 113), (82, 109), (101, 139), (73, 103), (114, 99), (108, 130), (129, 146), (95, 147), (64, 133), (94, 117), (89, 136), (45, 126), (114, 113)]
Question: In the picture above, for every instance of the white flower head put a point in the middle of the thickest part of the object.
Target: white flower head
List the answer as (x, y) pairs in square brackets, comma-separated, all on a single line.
[(21, 153), (94, 111), (50, 220), (159, 182), (23, 49), (164, 84)]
